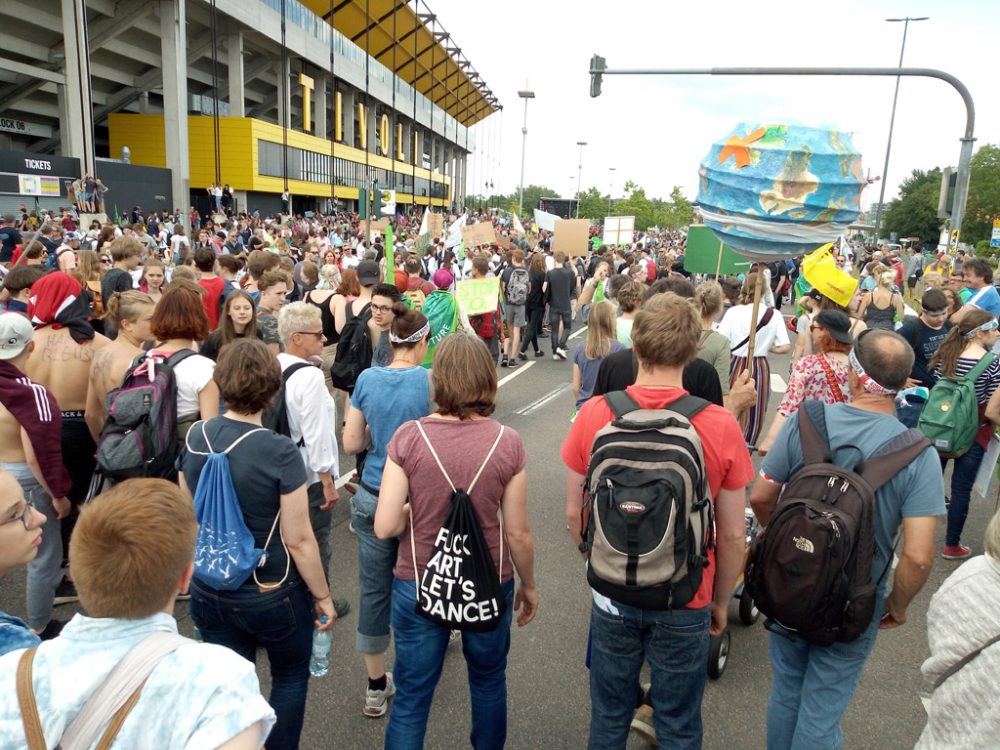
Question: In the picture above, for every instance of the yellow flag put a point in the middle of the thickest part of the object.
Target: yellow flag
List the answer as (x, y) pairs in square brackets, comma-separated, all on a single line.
[(820, 269)]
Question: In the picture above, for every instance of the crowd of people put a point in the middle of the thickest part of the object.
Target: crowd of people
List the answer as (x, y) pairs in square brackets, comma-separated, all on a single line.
[(287, 342)]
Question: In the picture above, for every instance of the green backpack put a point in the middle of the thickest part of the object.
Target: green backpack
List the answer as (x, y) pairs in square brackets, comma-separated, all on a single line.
[(950, 418)]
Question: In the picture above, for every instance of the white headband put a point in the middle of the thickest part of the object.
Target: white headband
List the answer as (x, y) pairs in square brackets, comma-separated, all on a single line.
[(412, 338)]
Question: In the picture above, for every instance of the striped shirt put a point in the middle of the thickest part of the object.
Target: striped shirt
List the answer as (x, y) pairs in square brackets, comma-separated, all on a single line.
[(987, 381)]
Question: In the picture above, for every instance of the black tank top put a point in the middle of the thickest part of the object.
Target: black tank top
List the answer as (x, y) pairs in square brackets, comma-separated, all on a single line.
[(329, 325)]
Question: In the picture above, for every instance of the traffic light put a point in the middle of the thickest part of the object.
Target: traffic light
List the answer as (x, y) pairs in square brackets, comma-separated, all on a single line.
[(376, 204), (362, 204), (597, 67)]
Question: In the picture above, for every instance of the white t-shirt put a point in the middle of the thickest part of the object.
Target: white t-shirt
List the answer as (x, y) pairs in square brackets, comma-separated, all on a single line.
[(191, 376), (177, 242), (735, 325)]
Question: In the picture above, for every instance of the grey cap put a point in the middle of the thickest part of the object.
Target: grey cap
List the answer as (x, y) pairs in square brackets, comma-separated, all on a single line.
[(15, 333), (368, 272)]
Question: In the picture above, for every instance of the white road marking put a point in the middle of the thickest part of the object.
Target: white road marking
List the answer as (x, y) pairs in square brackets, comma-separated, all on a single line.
[(778, 384), (577, 332), (539, 403), (343, 480), (520, 369)]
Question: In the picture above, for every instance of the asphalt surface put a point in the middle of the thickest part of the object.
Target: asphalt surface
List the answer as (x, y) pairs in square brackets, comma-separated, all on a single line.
[(548, 701)]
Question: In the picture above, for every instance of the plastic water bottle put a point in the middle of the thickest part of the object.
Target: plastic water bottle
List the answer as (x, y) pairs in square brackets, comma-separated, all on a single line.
[(319, 664)]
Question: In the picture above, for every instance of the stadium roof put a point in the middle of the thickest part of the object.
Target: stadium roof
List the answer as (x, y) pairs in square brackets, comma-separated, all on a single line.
[(399, 32)]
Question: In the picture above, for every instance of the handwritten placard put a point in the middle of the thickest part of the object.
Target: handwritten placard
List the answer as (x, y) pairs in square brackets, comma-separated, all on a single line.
[(478, 296), (435, 225), (478, 234), (572, 236)]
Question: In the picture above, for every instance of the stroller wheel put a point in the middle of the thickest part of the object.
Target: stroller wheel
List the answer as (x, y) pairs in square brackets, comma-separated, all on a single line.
[(749, 614), (718, 654)]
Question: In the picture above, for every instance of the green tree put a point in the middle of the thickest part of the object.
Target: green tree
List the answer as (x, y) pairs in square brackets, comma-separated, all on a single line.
[(914, 212), (532, 194), (637, 204), (984, 195), (593, 205)]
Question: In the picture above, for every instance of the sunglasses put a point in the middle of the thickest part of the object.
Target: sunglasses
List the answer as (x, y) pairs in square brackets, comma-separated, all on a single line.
[(105, 260)]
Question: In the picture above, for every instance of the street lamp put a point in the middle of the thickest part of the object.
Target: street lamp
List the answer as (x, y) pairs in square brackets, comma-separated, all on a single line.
[(524, 94), (611, 183), (892, 119), (579, 170)]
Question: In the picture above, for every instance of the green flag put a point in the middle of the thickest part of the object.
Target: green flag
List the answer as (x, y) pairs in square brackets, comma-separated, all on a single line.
[(390, 259), (441, 309), (117, 218), (460, 251)]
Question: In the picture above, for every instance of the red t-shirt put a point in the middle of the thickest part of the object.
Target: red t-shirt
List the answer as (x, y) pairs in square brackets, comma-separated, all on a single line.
[(727, 460), (210, 299)]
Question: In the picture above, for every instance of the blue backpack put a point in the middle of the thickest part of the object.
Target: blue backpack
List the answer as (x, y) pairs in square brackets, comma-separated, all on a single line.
[(225, 554)]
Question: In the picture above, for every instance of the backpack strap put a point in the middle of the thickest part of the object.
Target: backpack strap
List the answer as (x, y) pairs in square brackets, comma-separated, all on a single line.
[(687, 406), (813, 434), (291, 370), (33, 733), (211, 450), (962, 662), (765, 319), (893, 457), (621, 403)]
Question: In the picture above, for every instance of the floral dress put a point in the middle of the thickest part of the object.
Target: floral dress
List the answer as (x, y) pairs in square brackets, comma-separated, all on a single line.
[(813, 378)]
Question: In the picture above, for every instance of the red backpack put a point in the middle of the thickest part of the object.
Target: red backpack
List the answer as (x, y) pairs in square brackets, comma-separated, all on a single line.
[(485, 325)]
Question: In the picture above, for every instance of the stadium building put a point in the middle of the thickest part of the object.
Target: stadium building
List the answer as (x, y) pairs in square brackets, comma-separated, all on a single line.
[(161, 99)]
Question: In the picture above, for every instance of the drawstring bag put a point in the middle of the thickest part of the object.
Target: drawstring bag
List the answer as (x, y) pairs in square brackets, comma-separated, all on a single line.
[(225, 553), (460, 586)]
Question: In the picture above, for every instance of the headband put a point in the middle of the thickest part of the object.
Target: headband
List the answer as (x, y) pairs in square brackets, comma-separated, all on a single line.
[(413, 338), (989, 325), (867, 381)]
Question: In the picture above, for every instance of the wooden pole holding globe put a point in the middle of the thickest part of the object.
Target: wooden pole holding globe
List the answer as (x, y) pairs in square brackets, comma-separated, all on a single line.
[(757, 290)]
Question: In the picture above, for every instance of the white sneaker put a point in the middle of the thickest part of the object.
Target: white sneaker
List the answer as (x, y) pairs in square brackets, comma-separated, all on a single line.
[(377, 701), (561, 353)]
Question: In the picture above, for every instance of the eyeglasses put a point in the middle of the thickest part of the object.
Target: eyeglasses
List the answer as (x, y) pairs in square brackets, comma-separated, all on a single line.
[(105, 260), (22, 515), (381, 308), (317, 334)]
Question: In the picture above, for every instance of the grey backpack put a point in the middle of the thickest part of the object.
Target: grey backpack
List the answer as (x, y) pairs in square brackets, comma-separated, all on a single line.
[(648, 521)]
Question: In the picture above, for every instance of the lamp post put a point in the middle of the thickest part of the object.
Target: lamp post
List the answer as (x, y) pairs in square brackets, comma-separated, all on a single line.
[(524, 94), (579, 171), (611, 183), (892, 119)]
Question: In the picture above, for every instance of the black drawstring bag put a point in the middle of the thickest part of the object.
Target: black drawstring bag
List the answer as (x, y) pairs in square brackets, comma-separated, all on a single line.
[(460, 586)]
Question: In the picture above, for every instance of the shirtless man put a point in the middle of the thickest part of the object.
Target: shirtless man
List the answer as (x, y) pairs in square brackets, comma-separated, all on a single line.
[(131, 313), (30, 451), (64, 346)]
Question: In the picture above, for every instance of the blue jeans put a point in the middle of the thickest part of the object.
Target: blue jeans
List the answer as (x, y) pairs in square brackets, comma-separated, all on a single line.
[(376, 559), (675, 643), (963, 476), (420, 650), (282, 622), (812, 686)]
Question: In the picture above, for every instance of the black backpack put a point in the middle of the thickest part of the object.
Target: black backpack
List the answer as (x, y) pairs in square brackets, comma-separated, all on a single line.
[(276, 416), (354, 350), (460, 586), (810, 569), (647, 519)]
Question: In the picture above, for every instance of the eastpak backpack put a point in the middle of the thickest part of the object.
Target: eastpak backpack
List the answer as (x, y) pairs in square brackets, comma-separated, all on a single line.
[(647, 518), (810, 569)]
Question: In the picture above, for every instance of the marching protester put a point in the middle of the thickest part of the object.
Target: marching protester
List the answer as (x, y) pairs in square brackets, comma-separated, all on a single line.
[(457, 446), (813, 684), (383, 399)]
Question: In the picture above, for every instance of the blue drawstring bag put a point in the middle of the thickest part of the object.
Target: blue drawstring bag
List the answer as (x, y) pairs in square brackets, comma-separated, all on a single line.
[(225, 553)]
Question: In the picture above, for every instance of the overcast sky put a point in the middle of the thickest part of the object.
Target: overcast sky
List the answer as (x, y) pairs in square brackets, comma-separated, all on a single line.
[(655, 130)]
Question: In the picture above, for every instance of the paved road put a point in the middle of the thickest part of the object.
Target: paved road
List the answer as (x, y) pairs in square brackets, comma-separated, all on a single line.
[(547, 682)]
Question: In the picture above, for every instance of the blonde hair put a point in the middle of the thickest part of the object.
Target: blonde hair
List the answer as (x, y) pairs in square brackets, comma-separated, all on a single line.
[(600, 330), (666, 331), (126, 306), (131, 546), (295, 318), (708, 299), (887, 278)]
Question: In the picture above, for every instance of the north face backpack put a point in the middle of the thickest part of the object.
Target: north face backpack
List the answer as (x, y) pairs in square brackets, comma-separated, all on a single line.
[(517, 287), (647, 519), (139, 438), (354, 350), (810, 569), (950, 418), (460, 586), (225, 553), (276, 416)]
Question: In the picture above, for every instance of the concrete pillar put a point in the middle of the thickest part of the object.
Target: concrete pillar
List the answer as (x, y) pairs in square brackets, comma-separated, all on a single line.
[(283, 82), (347, 114), (372, 126), (320, 114), (144, 103), (234, 67), (173, 44), (77, 129), (432, 149), (464, 176)]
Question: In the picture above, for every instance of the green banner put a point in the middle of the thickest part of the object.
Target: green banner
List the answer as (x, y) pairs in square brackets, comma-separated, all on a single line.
[(441, 310), (702, 254), (390, 257)]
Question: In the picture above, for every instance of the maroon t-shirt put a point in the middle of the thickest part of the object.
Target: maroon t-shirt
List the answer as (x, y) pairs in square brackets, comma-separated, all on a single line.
[(462, 446)]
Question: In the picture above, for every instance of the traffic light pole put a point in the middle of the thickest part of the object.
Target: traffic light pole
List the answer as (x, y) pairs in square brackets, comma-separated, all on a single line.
[(598, 69)]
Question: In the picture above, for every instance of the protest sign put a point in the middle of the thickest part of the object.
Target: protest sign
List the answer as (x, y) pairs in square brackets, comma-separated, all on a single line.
[(478, 234), (544, 220), (618, 230), (572, 236), (435, 225), (478, 296), (702, 254)]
